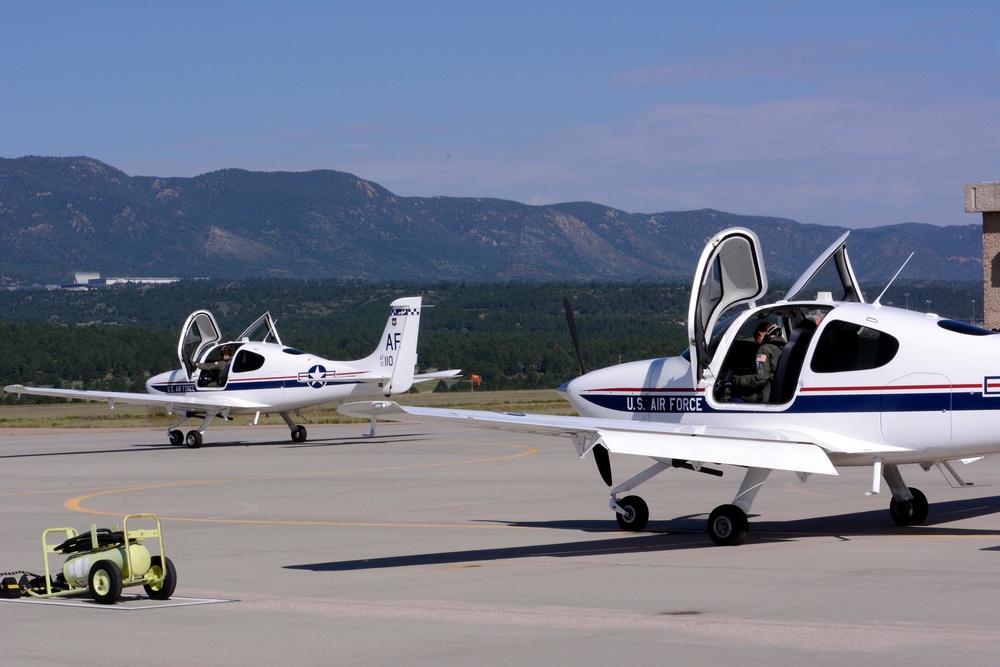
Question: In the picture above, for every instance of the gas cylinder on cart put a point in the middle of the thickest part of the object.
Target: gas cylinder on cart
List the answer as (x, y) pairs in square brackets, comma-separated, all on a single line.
[(76, 569)]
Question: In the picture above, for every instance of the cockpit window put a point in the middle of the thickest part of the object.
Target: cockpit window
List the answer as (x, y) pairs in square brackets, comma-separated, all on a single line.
[(247, 361), (845, 346), (292, 350), (719, 330), (711, 292), (964, 328)]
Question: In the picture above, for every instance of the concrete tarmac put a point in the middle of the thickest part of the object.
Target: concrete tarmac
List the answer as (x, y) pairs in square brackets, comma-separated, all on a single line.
[(434, 545)]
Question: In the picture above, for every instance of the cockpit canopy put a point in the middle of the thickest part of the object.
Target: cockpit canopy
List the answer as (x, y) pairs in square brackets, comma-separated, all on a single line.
[(200, 339), (731, 273)]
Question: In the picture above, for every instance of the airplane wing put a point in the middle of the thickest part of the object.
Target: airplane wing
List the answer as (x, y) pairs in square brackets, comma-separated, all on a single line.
[(206, 401), (740, 447)]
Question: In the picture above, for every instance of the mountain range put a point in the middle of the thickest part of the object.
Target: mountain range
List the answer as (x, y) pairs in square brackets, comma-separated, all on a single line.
[(61, 215)]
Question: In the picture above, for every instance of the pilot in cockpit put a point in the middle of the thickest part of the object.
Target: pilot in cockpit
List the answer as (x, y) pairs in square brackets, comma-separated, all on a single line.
[(213, 373), (755, 387)]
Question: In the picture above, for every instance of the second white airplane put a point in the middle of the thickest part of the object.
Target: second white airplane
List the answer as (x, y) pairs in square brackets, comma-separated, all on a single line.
[(265, 376)]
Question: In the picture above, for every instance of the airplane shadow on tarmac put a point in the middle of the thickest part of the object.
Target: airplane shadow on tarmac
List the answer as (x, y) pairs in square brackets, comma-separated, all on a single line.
[(139, 448), (323, 442), (689, 532)]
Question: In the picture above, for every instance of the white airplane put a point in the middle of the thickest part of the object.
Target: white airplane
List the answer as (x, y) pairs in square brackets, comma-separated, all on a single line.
[(266, 376), (857, 384)]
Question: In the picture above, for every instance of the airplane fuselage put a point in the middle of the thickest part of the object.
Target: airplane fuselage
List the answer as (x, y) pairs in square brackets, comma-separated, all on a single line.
[(283, 378)]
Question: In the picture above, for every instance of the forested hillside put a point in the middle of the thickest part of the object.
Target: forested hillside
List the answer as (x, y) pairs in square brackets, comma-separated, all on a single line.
[(62, 215), (513, 335)]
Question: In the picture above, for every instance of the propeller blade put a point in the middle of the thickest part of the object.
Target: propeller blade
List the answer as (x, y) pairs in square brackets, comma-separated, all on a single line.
[(603, 460), (571, 321)]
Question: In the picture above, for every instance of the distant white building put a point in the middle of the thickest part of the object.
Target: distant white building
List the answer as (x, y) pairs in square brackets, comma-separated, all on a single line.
[(83, 278), (144, 281), (86, 279)]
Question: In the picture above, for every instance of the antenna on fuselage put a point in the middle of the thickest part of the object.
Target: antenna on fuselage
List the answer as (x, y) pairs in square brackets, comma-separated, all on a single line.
[(876, 302)]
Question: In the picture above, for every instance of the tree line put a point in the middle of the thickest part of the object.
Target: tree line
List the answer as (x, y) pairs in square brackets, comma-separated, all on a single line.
[(512, 335)]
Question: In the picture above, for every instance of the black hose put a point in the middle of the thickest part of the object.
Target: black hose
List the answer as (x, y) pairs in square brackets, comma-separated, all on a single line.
[(83, 542)]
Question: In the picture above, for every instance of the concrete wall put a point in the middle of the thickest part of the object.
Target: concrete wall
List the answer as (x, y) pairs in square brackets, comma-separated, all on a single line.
[(985, 198)]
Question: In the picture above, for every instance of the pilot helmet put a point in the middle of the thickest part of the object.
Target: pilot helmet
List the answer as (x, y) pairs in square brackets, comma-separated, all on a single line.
[(769, 329)]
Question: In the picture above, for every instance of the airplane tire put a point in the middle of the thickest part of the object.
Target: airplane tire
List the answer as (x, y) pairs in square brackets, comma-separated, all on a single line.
[(105, 582), (193, 440), (636, 514), (299, 433), (166, 589), (176, 438), (911, 512), (728, 526)]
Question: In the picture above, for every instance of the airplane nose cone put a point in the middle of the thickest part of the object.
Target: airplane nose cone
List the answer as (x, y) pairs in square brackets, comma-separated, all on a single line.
[(570, 391), (155, 384), (570, 388)]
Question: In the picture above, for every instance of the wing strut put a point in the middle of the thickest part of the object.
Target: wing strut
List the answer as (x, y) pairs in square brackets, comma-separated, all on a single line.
[(644, 476), (955, 481)]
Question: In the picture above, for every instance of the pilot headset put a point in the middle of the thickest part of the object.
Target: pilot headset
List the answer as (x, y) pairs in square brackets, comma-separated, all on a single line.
[(771, 331)]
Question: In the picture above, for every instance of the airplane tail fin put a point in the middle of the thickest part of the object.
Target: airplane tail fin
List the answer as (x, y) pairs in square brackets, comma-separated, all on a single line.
[(396, 355)]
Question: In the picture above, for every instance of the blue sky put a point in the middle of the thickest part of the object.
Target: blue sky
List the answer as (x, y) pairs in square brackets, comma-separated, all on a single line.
[(842, 113)]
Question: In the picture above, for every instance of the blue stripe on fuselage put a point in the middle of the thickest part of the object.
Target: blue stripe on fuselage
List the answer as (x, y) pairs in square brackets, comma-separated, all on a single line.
[(805, 403), (245, 385)]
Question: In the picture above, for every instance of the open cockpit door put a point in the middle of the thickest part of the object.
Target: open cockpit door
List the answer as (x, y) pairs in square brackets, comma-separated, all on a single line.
[(263, 330), (730, 272), (831, 272), (200, 332)]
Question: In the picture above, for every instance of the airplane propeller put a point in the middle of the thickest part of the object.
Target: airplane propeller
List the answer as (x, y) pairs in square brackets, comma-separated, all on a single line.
[(601, 455), (571, 321)]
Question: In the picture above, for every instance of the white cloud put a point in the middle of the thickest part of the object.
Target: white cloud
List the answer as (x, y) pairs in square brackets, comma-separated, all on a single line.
[(827, 160)]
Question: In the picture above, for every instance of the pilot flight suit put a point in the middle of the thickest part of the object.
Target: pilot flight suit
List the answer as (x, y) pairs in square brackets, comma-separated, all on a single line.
[(213, 372), (756, 387)]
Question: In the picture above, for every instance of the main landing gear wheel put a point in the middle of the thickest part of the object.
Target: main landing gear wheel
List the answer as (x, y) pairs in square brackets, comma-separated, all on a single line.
[(164, 590), (176, 438), (636, 513), (728, 525), (911, 512), (299, 433), (193, 439), (105, 582)]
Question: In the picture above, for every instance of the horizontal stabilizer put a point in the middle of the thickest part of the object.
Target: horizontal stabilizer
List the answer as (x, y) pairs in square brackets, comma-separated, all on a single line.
[(438, 375)]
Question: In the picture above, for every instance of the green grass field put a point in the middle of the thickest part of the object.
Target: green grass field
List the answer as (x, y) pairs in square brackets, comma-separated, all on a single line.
[(98, 415)]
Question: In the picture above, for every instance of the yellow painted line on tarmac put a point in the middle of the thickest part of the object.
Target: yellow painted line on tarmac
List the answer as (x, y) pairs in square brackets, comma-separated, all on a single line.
[(37, 493), (76, 504)]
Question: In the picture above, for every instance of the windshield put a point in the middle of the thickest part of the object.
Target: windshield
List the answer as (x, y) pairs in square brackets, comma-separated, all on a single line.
[(718, 331)]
